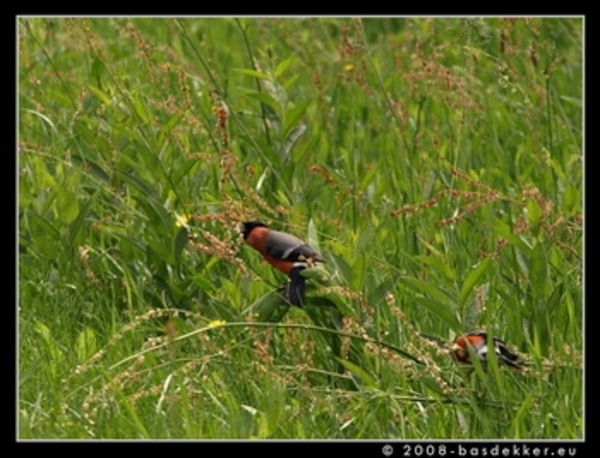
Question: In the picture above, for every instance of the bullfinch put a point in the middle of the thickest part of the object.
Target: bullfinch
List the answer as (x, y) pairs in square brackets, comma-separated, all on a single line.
[(285, 252), (478, 341)]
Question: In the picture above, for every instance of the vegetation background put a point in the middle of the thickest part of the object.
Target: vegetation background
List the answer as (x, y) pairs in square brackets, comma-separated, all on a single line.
[(436, 163)]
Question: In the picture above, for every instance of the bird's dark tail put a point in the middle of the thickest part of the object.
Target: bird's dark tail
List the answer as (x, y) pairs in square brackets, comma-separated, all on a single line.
[(509, 358), (295, 289)]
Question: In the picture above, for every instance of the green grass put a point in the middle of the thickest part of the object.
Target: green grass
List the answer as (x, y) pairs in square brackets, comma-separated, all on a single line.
[(435, 163)]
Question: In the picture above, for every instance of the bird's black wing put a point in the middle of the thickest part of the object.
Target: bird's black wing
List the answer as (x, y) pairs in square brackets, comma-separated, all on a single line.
[(505, 355), (286, 246)]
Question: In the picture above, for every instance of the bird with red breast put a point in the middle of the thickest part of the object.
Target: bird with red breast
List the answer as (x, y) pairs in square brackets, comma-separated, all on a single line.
[(286, 252), (479, 345)]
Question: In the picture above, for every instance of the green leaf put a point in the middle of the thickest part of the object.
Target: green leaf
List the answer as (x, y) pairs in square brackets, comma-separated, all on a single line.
[(570, 200), (40, 224), (362, 374), (366, 238), (166, 130), (443, 297), (432, 384), (429, 246), (161, 221), (574, 100), (439, 264), (523, 263), (334, 303), (290, 81), (56, 355), (538, 270), (313, 236), (379, 293), (94, 166), (155, 263), (185, 169), (141, 108), (521, 416), (181, 241), (268, 309), (100, 94), (442, 311), (511, 302), (534, 215), (504, 231), (472, 279), (283, 66), (472, 307), (141, 185), (86, 344), (369, 175), (78, 223), (44, 118), (43, 330), (359, 272), (440, 302), (68, 207), (292, 117), (97, 69), (254, 73), (124, 402), (269, 102), (290, 141), (278, 93)]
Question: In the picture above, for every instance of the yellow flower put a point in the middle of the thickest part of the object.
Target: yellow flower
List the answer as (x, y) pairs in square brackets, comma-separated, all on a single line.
[(181, 220), (216, 323)]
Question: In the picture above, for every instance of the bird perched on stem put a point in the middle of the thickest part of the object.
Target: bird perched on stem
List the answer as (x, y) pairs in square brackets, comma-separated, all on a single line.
[(479, 343), (285, 252)]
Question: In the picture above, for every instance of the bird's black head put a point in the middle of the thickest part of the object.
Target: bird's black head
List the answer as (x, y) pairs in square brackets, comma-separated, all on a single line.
[(248, 226)]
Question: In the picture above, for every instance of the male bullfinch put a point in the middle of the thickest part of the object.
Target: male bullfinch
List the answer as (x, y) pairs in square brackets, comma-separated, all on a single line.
[(283, 251), (478, 341)]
